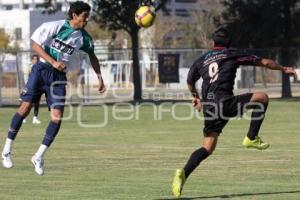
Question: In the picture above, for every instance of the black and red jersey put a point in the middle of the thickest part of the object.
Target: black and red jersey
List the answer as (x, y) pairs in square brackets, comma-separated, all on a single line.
[(218, 70)]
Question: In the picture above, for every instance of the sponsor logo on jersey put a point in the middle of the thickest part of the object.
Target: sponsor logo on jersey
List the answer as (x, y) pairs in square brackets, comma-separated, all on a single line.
[(68, 49)]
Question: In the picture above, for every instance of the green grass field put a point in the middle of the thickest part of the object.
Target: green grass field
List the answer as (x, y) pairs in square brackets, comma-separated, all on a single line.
[(136, 159)]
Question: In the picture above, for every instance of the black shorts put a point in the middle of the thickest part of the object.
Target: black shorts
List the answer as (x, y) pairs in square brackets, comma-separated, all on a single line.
[(217, 113)]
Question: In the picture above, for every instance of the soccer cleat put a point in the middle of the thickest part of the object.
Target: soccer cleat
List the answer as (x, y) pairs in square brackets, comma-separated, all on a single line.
[(178, 182), (38, 164), (7, 161), (24, 120), (35, 120), (256, 143)]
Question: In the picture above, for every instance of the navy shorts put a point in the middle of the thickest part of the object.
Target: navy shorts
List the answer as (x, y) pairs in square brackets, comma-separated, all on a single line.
[(217, 113), (46, 79)]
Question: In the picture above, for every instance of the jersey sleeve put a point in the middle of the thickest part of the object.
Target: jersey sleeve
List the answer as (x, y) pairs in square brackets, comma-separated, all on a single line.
[(44, 32), (193, 75), (88, 44), (247, 60)]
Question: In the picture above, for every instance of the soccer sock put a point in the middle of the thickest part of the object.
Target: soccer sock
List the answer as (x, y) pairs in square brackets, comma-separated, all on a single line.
[(15, 125), (257, 118), (7, 146), (194, 160), (36, 109), (41, 151), (51, 132)]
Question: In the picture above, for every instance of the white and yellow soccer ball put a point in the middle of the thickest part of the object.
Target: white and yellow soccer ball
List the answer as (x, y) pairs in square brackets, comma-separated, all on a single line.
[(144, 16)]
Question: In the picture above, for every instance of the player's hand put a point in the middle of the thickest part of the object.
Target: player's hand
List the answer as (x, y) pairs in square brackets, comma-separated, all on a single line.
[(289, 71), (102, 88), (197, 104), (59, 65)]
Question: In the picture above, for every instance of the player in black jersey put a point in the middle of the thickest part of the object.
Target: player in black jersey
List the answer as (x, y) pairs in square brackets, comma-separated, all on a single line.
[(218, 70)]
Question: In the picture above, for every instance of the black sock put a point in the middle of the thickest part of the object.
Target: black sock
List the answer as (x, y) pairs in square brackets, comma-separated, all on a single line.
[(15, 125), (194, 160), (257, 119), (36, 109), (51, 133)]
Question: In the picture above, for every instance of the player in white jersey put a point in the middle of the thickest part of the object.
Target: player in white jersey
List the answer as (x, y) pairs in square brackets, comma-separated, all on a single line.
[(55, 42)]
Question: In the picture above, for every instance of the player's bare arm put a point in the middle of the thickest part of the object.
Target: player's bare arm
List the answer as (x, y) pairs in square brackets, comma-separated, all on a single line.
[(271, 64), (196, 99), (42, 53), (96, 67)]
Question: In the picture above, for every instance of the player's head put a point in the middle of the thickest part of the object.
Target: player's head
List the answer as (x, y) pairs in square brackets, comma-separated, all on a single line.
[(35, 59), (79, 13), (222, 37)]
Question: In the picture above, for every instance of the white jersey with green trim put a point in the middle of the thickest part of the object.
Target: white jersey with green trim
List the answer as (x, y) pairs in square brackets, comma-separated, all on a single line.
[(61, 41)]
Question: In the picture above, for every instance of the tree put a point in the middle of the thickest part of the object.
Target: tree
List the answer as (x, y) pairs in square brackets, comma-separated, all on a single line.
[(155, 34), (198, 33), (4, 40), (265, 24), (119, 15), (97, 32), (193, 30), (6, 45)]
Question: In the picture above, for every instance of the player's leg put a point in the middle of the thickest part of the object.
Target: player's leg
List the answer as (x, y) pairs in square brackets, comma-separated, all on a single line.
[(209, 145), (55, 96), (51, 132), (15, 126), (35, 119), (259, 103), (28, 96)]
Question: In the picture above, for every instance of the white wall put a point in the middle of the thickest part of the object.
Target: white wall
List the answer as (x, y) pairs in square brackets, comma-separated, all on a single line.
[(33, 1), (27, 20)]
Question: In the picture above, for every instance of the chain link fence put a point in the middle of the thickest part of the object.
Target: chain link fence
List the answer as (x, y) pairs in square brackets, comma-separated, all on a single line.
[(116, 67)]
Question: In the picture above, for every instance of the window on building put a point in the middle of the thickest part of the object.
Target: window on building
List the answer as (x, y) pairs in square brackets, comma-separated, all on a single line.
[(59, 6), (182, 12), (7, 7), (18, 33)]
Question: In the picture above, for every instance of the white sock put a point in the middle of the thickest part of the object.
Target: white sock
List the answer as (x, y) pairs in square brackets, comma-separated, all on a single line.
[(41, 151), (7, 146)]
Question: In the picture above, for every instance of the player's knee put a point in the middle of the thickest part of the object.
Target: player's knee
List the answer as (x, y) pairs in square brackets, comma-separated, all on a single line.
[(261, 97), (24, 109), (264, 98), (209, 149), (56, 116)]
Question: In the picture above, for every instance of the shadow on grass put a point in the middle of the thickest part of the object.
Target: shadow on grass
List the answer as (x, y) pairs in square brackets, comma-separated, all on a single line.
[(227, 196)]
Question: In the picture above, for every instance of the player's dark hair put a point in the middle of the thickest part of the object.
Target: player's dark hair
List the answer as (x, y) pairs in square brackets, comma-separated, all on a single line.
[(78, 7), (222, 37), (35, 55)]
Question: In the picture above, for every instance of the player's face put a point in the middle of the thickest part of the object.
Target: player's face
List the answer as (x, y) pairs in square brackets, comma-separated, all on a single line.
[(35, 60), (82, 19)]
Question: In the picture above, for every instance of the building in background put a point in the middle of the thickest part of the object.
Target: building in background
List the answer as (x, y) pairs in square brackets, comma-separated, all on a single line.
[(20, 24), (34, 4), (19, 18), (182, 9)]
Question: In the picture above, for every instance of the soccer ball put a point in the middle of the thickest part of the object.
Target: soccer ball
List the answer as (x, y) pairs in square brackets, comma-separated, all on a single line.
[(144, 16)]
